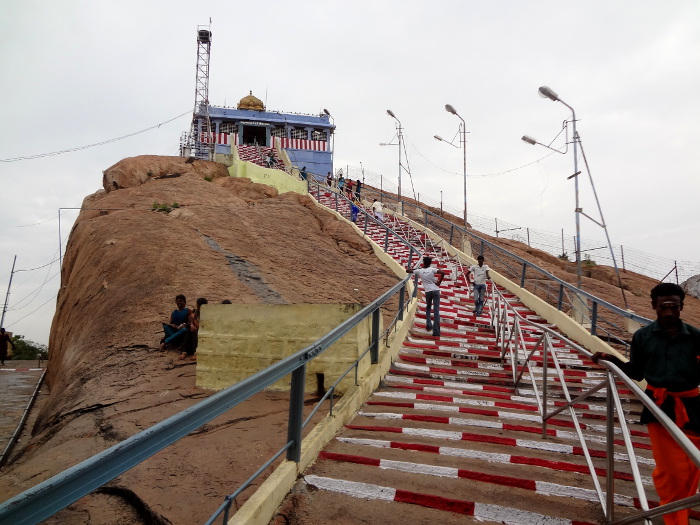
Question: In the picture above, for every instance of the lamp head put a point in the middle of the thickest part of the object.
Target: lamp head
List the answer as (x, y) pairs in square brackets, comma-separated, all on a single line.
[(528, 139), (327, 112), (438, 137), (450, 109), (547, 92), (390, 113)]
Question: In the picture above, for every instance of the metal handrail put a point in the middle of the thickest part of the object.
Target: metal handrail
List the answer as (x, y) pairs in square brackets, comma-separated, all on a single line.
[(563, 285), (508, 322), (56, 493)]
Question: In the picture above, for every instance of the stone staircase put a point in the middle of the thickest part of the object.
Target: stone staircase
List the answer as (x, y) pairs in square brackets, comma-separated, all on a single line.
[(447, 438)]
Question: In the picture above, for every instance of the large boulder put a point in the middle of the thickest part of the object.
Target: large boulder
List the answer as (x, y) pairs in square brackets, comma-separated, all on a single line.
[(692, 286), (134, 171)]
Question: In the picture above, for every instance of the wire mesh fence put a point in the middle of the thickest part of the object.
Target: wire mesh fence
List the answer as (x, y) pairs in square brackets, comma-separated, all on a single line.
[(560, 244)]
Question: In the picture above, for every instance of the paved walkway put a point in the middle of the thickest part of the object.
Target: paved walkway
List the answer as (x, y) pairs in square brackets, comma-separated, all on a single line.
[(18, 379)]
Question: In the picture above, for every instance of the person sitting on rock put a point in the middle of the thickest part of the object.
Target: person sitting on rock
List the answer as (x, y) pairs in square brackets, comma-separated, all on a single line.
[(190, 350), (178, 325)]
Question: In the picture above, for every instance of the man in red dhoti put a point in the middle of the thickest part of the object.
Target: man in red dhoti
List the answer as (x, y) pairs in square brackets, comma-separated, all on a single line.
[(667, 353)]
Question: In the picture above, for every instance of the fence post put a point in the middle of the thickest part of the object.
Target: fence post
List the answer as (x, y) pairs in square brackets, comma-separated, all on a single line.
[(622, 252), (402, 301), (366, 221), (296, 413), (386, 240), (522, 277), (561, 297), (452, 232), (336, 200), (610, 450), (374, 349), (402, 211), (594, 317)]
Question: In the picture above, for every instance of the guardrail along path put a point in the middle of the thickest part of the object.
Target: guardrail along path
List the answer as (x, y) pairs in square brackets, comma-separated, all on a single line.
[(448, 439)]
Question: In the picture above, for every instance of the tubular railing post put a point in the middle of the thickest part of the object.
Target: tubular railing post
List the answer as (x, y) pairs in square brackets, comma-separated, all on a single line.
[(296, 413), (386, 241), (336, 200), (610, 458), (522, 277), (374, 349), (402, 300), (366, 221), (425, 217), (594, 317), (402, 211), (561, 297), (481, 252), (452, 232), (545, 362), (410, 257)]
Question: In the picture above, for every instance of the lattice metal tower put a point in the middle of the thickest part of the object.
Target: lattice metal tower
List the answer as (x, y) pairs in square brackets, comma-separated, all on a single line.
[(201, 139)]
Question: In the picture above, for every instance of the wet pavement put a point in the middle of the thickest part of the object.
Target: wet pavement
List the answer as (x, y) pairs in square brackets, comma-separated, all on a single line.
[(18, 379)]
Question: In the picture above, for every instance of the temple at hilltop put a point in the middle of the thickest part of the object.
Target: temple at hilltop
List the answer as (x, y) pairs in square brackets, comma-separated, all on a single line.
[(251, 133)]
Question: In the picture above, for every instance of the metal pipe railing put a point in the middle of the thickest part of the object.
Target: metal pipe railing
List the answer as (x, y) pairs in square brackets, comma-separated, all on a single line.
[(56, 493), (506, 326), (524, 267)]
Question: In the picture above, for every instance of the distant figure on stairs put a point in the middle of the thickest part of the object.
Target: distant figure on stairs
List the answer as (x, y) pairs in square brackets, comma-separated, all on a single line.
[(432, 278), (358, 189), (378, 210), (178, 324), (666, 353), (480, 272), (329, 180), (302, 173)]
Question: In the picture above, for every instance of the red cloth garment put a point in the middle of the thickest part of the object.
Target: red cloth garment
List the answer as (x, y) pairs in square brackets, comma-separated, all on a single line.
[(675, 476), (660, 395)]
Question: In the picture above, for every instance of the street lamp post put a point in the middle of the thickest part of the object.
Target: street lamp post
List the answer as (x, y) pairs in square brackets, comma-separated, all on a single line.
[(546, 92), (333, 144), (400, 138), (463, 144)]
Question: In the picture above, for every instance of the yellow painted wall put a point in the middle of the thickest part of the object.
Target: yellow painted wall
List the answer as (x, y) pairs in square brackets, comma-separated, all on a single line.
[(238, 340), (272, 177)]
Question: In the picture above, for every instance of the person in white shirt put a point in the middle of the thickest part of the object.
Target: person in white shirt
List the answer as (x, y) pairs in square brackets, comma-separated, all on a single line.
[(431, 277), (480, 272), (378, 210)]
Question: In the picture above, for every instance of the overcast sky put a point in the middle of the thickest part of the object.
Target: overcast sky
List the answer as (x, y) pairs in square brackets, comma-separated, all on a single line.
[(76, 73)]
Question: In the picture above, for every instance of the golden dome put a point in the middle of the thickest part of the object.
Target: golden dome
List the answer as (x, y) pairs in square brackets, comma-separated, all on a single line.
[(251, 102)]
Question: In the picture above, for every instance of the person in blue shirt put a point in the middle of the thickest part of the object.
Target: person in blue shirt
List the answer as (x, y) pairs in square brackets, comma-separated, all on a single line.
[(177, 326)]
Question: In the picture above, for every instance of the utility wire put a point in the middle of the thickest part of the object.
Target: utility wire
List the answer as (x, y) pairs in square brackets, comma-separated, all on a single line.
[(53, 153)]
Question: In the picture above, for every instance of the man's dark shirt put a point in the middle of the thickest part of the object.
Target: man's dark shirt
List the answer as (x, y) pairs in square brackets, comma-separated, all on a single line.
[(667, 362)]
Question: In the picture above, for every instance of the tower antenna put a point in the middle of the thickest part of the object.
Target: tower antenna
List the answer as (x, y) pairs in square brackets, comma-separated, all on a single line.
[(200, 141)]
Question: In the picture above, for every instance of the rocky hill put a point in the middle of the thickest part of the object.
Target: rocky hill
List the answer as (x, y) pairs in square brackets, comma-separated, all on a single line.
[(163, 226)]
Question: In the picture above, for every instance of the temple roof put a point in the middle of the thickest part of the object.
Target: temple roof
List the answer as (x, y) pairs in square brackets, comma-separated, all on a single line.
[(251, 102)]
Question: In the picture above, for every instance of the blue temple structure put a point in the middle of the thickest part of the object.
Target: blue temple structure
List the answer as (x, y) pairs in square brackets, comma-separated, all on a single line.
[(268, 138)]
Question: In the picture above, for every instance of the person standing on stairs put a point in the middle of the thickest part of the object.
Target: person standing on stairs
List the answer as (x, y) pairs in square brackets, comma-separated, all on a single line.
[(667, 354), (480, 272), (431, 278)]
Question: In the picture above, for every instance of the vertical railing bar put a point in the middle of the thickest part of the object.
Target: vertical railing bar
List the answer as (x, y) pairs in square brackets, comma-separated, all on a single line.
[(296, 413)]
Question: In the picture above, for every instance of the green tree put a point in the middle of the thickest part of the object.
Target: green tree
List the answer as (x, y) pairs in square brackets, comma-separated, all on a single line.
[(26, 349)]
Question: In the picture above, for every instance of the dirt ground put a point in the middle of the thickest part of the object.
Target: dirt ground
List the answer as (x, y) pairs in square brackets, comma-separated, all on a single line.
[(125, 262)]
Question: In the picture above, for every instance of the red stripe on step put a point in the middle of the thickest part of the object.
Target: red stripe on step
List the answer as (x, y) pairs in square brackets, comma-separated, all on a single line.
[(435, 502)]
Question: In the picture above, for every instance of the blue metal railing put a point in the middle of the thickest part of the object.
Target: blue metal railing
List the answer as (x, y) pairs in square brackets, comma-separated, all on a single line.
[(56, 493), (603, 317)]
